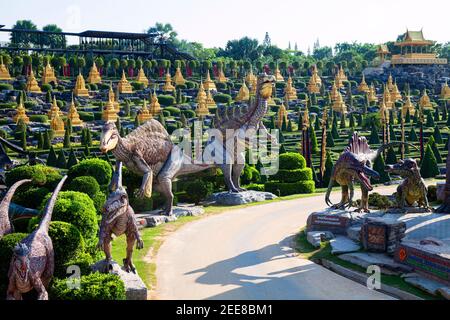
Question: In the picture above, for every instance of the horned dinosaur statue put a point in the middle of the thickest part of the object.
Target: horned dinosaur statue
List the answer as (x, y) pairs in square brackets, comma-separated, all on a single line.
[(33, 261), (148, 150), (413, 188), (354, 164), (5, 224), (118, 219)]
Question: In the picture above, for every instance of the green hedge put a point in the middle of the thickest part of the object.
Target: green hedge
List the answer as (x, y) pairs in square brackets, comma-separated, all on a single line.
[(76, 208), (166, 100), (222, 98), (292, 161), (174, 111), (6, 86), (85, 184), (294, 175), (96, 168), (42, 118), (95, 286), (40, 174), (86, 116), (284, 188)]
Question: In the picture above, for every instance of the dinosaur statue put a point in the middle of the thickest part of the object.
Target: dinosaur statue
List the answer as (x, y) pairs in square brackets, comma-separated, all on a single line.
[(148, 150), (118, 218), (445, 206), (235, 123), (7, 163), (413, 188), (354, 164), (5, 224), (33, 261)]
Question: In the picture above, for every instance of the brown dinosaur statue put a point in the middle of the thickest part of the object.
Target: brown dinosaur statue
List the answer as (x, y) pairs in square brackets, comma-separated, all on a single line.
[(5, 224), (118, 219), (413, 188), (33, 261), (355, 164), (148, 150), (445, 207)]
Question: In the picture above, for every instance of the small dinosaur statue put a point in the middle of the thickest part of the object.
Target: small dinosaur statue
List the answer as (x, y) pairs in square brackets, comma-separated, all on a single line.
[(5, 224), (33, 261), (354, 164), (118, 219), (148, 150), (413, 188)]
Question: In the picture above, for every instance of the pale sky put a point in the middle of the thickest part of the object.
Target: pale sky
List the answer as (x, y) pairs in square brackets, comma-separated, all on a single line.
[(213, 22)]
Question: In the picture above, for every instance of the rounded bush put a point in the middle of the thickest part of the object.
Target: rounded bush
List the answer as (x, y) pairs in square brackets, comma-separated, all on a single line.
[(67, 240), (379, 201), (198, 190), (291, 161), (190, 84), (285, 188), (137, 85), (99, 169), (255, 186), (78, 209), (174, 111), (83, 261), (86, 116), (249, 174), (42, 118), (6, 86), (85, 184), (189, 113), (166, 100), (46, 87), (40, 174), (95, 286), (181, 86), (30, 196), (294, 175), (99, 199), (222, 98)]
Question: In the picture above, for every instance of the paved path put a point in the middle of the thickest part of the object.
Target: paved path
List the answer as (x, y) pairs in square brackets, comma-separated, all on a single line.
[(246, 254)]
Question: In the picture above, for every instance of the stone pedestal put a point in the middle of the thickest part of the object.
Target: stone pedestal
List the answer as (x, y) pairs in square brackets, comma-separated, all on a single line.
[(382, 235), (335, 221), (155, 218), (135, 288), (236, 198), (429, 257)]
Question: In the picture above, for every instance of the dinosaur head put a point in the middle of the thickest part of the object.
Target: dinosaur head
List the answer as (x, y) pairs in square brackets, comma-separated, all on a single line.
[(109, 137), (21, 260), (265, 85), (403, 168), (115, 205), (359, 169)]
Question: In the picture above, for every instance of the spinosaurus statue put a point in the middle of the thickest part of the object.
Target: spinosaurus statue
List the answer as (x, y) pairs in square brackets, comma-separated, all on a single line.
[(355, 164), (33, 261), (118, 219), (5, 224), (413, 188), (148, 150)]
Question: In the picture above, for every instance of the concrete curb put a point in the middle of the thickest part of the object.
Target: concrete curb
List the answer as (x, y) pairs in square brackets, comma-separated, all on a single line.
[(362, 279)]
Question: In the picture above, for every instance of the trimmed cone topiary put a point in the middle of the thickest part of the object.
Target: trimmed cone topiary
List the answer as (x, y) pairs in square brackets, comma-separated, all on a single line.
[(429, 167)]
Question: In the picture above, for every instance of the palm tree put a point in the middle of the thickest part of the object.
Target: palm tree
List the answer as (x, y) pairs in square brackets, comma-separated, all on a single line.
[(22, 39), (115, 64)]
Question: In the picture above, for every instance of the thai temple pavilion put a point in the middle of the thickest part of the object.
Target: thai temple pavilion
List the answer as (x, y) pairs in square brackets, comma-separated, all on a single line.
[(415, 49)]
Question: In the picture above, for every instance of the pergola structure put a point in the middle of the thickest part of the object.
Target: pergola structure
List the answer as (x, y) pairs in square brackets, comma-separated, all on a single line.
[(151, 46)]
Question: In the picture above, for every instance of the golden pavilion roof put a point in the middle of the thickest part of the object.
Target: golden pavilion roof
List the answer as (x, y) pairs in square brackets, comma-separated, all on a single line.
[(363, 87), (124, 86), (142, 78), (425, 101), (334, 91), (57, 125), (48, 74), (168, 84), (209, 99), (281, 115), (339, 105), (80, 87), (54, 109), (290, 90), (109, 112), (411, 38), (250, 78), (202, 105), (94, 75), (316, 77), (144, 114), (4, 72), (155, 107), (221, 77), (244, 93), (338, 81), (178, 77), (408, 106), (32, 84), (277, 74), (208, 83), (387, 100), (372, 94), (73, 114), (445, 91), (395, 93), (312, 85), (342, 75), (21, 114)]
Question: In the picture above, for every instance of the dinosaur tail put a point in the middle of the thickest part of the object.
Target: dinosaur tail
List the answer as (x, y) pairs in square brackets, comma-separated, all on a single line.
[(330, 187), (4, 205), (12, 146), (48, 210), (392, 144)]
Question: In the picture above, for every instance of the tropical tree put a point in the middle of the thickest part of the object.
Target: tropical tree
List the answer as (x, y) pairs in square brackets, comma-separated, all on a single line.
[(53, 40), (23, 39)]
